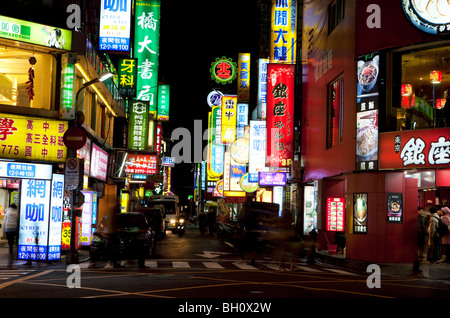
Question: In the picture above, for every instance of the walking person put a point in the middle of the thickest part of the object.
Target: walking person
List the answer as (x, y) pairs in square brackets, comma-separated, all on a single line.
[(211, 220), (202, 221), (436, 240), (11, 229), (446, 238), (423, 217)]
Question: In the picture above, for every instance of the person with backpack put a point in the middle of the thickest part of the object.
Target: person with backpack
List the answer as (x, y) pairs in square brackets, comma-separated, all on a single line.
[(446, 239), (423, 217), (435, 237)]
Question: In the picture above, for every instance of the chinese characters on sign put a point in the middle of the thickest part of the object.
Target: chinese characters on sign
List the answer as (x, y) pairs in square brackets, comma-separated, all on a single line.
[(141, 164), (127, 77), (415, 149), (360, 213), (283, 39), (367, 112), (394, 207), (115, 17), (229, 114), (335, 214), (243, 77), (99, 163), (32, 138), (163, 102), (138, 127), (280, 115), (223, 70), (262, 88), (146, 49)]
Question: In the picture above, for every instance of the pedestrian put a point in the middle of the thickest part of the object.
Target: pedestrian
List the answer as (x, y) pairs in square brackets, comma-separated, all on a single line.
[(423, 217), (10, 226), (434, 238), (211, 220), (202, 221), (446, 238)]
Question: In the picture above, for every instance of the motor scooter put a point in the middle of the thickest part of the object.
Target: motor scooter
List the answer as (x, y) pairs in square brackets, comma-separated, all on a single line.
[(180, 226)]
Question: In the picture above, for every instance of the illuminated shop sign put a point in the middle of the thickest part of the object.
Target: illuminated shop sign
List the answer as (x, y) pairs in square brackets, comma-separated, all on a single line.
[(228, 118), (139, 126), (335, 214), (415, 149), (262, 88), (280, 115), (24, 31), (272, 178), (146, 49), (99, 163), (243, 77), (360, 213), (283, 38), (32, 138), (216, 150), (257, 149), (367, 112), (168, 162), (141, 164), (428, 16), (394, 207), (13, 169), (223, 70), (115, 19), (163, 102), (67, 111), (127, 72)]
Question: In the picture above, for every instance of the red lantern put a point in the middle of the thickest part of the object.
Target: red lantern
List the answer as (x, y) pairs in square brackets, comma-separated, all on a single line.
[(436, 77), (440, 103), (406, 89)]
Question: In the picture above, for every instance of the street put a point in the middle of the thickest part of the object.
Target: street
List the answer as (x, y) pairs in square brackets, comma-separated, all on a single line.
[(192, 269)]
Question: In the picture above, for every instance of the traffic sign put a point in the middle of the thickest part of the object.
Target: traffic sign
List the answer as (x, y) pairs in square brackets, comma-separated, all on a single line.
[(74, 138)]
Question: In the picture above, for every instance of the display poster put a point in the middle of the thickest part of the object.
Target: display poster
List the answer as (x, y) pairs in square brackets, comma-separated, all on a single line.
[(127, 71), (34, 219), (424, 148), (395, 207), (280, 115), (360, 212), (139, 126), (309, 210), (115, 25), (335, 214), (32, 138), (262, 88), (243, 76), (368, 69), (241, 120), (56, 212), (99, 163), (87, 218), (283, 35), (146, 49), (85, 153)]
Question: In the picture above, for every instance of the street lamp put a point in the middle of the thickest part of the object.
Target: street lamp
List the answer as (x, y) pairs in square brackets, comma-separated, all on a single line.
[(72, 257)]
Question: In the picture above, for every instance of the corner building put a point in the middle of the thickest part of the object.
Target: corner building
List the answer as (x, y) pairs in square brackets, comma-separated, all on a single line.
[(375, 126)]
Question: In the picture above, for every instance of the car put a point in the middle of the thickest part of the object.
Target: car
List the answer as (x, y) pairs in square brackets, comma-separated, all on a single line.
[(155, 218), (171, 209), (123, 236)]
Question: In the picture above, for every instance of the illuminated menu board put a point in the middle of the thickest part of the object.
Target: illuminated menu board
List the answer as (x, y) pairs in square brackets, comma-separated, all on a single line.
[(335, 214)]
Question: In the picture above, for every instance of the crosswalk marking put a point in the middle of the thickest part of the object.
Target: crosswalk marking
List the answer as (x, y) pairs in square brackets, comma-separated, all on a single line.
[(212, 265), (180, 265), (151, 264), (243, 265)]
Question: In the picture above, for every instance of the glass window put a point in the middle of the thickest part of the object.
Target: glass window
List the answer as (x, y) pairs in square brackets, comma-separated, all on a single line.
[(420, 100), (16, 69), (335, 112)]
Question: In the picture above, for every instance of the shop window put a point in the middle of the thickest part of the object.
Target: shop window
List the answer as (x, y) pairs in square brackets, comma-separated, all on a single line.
[(335, 112), (421, 89), (336, 12), (15, 69)]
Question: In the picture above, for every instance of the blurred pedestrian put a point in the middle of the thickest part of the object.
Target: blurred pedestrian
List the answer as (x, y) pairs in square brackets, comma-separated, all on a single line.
[(434, 238), (446, 238), (202, 221), (10, 226), (423, 217), (211, 220)]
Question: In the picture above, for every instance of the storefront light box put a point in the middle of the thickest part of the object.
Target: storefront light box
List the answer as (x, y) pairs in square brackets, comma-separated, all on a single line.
[(272, 178)]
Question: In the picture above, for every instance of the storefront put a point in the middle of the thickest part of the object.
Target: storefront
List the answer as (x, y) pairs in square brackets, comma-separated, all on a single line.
[(375, 146)]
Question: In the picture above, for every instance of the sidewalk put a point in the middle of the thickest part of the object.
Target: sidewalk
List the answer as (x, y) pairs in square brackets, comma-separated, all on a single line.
[(429, 271)]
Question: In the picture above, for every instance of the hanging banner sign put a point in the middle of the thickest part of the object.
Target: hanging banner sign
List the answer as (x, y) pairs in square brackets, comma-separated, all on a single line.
[(141, 164), (163, 102), (146, 49), (56, 212), (127, 72), (229, 115), (283, 39), (257, 149), (424, 148), (280, 115), (138, 127), (243, 77), (262, 89), (115, 20)]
